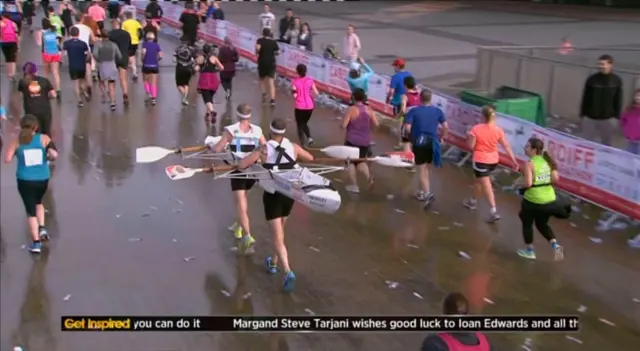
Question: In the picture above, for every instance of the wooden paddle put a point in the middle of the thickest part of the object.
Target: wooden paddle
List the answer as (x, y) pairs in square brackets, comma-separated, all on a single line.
[(150, 154)]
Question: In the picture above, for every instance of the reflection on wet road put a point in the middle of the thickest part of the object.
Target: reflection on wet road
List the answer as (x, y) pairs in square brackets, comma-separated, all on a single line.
[(121, 233)]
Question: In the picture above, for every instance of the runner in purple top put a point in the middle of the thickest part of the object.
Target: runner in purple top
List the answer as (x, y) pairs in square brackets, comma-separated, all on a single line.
[(359, 120), (151, 56)]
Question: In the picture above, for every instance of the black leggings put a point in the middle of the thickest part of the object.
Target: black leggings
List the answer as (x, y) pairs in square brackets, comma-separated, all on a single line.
[(32, 192), (227, 83), (537, 214), (302, 122)]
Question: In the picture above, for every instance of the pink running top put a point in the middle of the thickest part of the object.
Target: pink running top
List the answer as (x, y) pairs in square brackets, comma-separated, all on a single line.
[(304, 100), (97, 13), (8, 32)]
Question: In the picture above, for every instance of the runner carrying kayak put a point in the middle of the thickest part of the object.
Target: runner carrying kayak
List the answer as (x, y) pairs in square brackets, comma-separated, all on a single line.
[(358, 78), (303, 89), (47, 39), (32, 149), (278, 152), (242, 138)]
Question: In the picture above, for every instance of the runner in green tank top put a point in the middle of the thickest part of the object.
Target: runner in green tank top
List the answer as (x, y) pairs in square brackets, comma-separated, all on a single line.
[(539, 202)]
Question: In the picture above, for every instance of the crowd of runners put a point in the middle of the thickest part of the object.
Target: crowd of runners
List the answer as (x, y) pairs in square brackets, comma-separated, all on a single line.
[(106, 46)]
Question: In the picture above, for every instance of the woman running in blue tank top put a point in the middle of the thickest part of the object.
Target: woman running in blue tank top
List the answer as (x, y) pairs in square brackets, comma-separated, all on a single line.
[(32, 150)]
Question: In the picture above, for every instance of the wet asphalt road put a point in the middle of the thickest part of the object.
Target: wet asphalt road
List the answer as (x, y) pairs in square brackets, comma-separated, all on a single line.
[(120, 233)]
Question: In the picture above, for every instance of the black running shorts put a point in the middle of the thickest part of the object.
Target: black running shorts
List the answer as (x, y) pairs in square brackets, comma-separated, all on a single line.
[(365, 151), (423, 154), (483, 169), (77, 74), (241, 184), (266, 71), (276, 205)]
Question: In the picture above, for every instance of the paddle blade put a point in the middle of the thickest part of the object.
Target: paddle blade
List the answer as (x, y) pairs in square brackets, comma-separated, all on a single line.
[(395, 159), (212, 140), (176, 172), (342, 152), (405, 156), (150, 154)]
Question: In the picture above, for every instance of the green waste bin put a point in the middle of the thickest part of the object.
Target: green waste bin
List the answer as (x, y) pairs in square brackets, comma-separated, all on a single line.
[(511, 101)]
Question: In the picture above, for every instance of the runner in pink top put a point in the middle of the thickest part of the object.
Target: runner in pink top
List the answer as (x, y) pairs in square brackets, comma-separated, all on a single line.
[(97, 13), (304, 89), (9, 44)]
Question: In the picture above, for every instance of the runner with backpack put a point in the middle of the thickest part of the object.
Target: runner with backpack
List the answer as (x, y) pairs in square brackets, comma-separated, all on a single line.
[(184, 57)]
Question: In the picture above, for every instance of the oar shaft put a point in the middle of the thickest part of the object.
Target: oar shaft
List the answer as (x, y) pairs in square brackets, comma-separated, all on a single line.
[(191, 149), (339, 160)]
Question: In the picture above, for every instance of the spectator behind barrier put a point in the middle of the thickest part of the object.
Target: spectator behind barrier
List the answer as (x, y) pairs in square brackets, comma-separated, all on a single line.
[(630, 123), (305, 39), (285, 24), (601, 102), (456, 304)]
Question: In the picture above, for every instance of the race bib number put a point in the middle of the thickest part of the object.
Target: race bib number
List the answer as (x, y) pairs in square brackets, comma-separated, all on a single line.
[(544, 177), (33, 157)]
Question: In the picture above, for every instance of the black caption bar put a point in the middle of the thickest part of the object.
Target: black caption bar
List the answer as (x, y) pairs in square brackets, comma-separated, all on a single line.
[(323, 324)]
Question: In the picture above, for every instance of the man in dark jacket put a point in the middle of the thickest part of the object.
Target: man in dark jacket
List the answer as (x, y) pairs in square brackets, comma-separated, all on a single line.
[(455, 304), (286, 22), (601, 102)]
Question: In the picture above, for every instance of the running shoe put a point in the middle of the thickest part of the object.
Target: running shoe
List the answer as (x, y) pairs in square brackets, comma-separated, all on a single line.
[(471, 204), (420, 195), (58, 95), (247, 244), (44, 233), (36, 247), (237, 230), (113, 107), (272, 102), (264, 98), (352, 188), (527, 253), (411, 169), (558, 252), (87, 94), (134, 78), (125, 99), (429, 199), (184, 101), (289, 281), (493, 217), (153, 101), (310, 142), (271, 267), (80, 104), (227, 95)]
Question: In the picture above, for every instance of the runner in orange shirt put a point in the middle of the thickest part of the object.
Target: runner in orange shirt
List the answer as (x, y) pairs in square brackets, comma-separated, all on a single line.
[(484, 139)]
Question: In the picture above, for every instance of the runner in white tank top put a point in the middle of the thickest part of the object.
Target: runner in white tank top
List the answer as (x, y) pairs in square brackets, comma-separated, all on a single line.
[(242, 138), (279, 152)]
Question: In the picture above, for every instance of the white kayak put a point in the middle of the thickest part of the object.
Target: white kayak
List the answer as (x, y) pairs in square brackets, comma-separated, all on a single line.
[(304, 186), (300, 184)]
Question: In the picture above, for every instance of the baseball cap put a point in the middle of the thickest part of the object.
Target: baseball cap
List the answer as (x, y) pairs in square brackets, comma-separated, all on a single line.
[(398, 62), (355, 66)]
